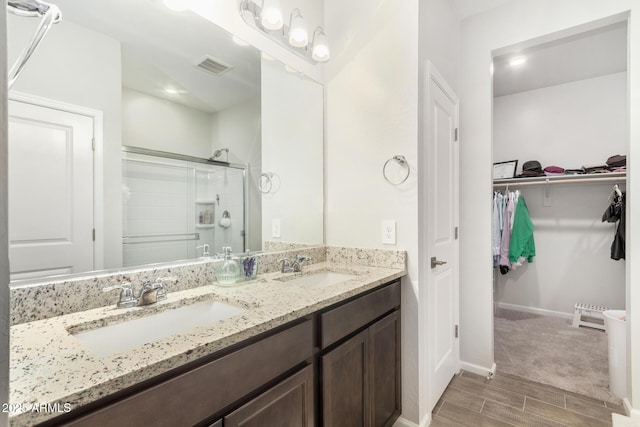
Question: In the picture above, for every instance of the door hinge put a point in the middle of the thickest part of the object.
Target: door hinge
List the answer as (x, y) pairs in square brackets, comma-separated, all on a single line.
[(93, 233), (455, 332), (93, 144), (455, 232), (455, 134)]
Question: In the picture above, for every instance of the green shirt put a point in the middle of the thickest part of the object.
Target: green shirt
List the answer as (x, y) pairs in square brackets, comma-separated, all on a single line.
[(522, 244)]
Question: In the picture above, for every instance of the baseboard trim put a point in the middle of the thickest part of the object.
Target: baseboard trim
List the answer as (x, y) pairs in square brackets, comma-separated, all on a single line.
[(478, 370), (534, 310), (403, 422)]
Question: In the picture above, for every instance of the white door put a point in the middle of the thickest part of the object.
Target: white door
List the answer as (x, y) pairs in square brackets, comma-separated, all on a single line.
[(50, 191), (442, 233)]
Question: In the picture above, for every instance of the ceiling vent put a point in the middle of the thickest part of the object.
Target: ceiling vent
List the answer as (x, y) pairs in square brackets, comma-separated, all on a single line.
[(213, 65)]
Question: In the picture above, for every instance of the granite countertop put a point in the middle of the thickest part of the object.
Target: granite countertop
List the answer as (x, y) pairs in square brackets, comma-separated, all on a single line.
[(52, 372)]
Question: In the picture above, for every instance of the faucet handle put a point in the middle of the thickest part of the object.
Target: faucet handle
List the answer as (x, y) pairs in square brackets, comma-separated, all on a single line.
[(159, 284), (126, 294), (286, 265), (205, 250)]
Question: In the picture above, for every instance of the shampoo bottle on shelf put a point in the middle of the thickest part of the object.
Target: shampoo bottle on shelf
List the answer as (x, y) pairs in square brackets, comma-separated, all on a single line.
[(228, 271)]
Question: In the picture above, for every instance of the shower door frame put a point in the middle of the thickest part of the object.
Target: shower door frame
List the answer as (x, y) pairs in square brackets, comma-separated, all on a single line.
[(175, 156)]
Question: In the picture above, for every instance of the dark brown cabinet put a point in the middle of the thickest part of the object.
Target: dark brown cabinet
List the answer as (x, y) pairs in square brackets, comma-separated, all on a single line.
[(288, 404), (345, 383), (361, 377), (384, 370), (339, 366)]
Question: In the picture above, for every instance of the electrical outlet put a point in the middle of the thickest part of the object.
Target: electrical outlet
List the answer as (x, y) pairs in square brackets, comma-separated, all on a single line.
[(275, 227), (389, 232)]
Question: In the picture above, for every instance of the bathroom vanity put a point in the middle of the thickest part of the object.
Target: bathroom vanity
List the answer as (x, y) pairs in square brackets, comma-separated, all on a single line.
[(311, 354)]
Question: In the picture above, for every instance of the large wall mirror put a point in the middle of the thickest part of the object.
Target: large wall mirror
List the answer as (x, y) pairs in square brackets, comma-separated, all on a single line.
[(138, 135)]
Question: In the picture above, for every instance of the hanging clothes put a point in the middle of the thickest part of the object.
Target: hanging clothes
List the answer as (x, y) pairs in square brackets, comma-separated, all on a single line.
[(498, 208), (522, 246), (504, 263), (616, 213)]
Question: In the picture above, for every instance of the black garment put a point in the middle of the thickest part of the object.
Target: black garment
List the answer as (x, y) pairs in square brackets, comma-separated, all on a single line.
[(614, 213)]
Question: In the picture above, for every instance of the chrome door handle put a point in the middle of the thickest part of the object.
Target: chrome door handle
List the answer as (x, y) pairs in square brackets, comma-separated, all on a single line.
[(435, 262)]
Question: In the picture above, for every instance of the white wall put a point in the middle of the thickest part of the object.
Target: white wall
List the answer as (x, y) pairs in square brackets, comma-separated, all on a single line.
[(158, 124), (239, 129), (568, 125), (515, 22), (292, 150), (4, 234), (66, 67), (372, 114)]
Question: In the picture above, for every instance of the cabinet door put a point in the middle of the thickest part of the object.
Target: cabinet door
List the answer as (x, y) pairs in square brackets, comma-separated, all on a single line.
[(288, 404), (384, 369), (345, 384)]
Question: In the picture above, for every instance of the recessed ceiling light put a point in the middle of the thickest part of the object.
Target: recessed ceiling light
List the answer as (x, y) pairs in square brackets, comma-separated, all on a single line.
[(173, 91), (517, 61)]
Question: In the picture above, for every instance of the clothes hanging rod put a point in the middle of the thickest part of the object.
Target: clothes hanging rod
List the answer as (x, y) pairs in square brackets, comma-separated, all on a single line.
[(566, 179)]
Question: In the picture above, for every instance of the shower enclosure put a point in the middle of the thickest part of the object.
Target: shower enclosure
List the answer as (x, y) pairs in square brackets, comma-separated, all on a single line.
[(180, 207)]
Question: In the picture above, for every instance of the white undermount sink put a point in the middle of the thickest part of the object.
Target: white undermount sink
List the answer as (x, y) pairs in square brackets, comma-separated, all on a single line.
[(128, 334), (319, 279)]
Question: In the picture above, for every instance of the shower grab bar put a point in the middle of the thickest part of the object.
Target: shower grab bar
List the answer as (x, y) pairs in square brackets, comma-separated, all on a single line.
[(32, 8), (160, 238)]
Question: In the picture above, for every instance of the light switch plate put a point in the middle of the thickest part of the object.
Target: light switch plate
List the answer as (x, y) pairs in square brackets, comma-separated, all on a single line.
[(389, 232), (275, 227)]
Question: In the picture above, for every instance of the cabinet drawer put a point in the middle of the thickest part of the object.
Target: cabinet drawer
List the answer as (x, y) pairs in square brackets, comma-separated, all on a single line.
[(201, 392), (341, 321)]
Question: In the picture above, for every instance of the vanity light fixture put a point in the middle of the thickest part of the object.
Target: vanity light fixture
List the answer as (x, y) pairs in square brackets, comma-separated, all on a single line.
[(271, 16), (294, 36), (298, 34), (320, 46)]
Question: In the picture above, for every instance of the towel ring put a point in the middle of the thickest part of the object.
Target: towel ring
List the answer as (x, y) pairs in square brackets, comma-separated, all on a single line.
[(402, 161), (266, 182)]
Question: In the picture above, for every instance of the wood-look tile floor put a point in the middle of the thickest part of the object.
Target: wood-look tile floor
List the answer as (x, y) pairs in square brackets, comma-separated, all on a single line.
[(471, 400)]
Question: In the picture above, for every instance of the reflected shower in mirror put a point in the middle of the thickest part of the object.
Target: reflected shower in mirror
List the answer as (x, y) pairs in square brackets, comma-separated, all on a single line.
[(111, 75)]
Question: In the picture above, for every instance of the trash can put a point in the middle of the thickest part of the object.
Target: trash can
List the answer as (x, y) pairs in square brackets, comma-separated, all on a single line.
[(615, 323)]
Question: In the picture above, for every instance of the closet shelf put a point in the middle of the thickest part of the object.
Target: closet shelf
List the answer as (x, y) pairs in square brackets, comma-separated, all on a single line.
[(619, 177)]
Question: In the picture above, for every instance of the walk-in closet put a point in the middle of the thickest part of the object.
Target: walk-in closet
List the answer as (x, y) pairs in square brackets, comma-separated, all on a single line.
[(560, 142)]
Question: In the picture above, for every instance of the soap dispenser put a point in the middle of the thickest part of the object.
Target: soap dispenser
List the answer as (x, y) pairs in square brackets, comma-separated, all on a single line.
[(228, 271)]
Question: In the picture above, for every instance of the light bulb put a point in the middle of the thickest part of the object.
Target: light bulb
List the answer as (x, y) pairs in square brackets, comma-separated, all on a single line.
[(320, 50), (271, 18), (298, 35)]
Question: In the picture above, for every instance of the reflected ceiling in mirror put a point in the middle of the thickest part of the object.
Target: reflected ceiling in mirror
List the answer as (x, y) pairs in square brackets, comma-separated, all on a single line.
[(162, 50)]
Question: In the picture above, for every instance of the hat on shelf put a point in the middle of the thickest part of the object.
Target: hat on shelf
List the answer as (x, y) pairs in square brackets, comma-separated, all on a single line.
[(553, 171), (617, 161), (531, 168)]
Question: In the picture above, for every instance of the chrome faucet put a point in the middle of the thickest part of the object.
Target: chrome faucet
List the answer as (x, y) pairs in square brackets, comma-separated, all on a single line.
[(151, 293), (295, 266)]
